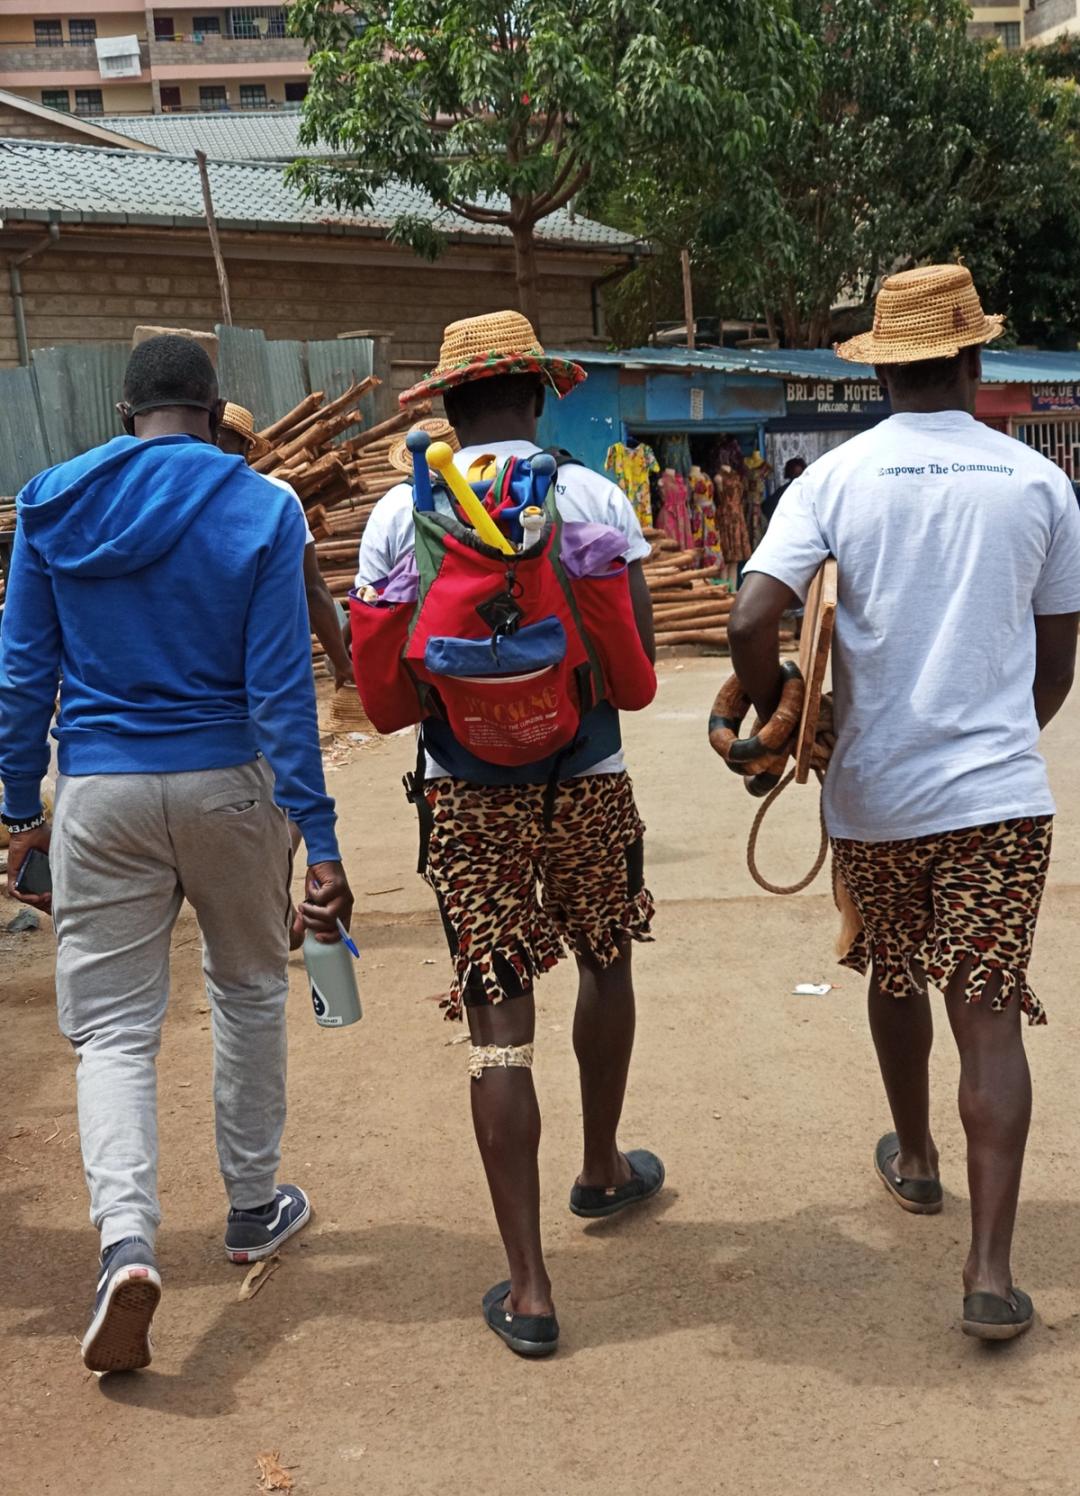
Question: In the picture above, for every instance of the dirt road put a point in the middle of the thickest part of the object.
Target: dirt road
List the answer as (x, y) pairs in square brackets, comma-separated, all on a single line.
[(772, 1324)]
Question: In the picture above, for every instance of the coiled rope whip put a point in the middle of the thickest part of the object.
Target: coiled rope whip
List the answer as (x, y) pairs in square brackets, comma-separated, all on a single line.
[(760, 758)]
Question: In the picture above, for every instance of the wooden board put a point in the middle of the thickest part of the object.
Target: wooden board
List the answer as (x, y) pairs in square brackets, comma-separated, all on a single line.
[(819, 617)]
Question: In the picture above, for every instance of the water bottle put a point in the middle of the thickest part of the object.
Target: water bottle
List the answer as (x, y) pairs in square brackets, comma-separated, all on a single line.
[(333, 983)]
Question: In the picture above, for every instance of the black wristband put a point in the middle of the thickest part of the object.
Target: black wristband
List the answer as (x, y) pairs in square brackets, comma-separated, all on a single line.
[(16, 827)]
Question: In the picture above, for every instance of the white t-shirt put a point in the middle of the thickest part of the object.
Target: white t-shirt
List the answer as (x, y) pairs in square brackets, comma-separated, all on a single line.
[(309, 539), (582, 496), (949, 539)]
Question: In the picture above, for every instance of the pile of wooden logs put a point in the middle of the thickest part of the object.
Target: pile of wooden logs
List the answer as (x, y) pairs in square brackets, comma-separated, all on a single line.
[(689, 604), (339, 478)]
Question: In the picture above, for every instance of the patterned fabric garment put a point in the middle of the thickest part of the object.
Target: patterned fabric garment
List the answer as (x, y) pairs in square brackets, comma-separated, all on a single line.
[(757, 470), (631, 467), (940, 900), (730, 516), (674, 516), (703, 518), (491, 857)]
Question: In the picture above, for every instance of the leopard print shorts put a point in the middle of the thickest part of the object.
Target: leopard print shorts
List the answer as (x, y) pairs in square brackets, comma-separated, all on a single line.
[(514, 894), (942, 900)]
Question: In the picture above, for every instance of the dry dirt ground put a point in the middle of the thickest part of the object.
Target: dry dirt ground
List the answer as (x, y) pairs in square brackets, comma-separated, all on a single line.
[(770, 1324)]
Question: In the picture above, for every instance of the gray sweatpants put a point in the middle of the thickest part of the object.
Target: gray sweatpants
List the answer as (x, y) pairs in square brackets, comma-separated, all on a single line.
[(126, 850)]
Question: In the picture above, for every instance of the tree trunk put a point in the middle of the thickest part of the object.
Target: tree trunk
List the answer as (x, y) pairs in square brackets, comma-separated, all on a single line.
[(527, 274)]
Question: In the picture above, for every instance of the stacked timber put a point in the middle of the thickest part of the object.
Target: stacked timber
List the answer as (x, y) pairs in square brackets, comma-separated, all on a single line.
[(691, 605)]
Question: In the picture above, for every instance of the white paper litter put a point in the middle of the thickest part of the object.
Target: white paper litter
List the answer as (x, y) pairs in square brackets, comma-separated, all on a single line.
[(812, 989)]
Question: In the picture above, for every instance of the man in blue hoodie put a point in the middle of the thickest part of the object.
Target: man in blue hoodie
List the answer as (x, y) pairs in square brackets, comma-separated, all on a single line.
[(161, 581)]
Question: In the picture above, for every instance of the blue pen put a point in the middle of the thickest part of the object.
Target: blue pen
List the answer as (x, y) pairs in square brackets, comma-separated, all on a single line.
[(347, 940)]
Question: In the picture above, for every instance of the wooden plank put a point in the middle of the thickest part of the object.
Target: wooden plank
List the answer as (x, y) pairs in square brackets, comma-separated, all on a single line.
[(819, 617)]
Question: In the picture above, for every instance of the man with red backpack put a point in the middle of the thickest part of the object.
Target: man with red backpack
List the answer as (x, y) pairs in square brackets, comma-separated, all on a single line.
[(538, 846)]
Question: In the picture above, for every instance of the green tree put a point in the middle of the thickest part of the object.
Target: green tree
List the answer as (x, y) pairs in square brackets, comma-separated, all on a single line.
[(915, 143), (503, 110)]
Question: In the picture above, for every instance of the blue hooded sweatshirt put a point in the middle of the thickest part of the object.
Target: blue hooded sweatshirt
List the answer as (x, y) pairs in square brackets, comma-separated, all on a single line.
[(163, 580)]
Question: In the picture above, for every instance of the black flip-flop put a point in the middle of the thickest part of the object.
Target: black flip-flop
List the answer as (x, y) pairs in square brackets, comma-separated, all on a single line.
[(646, 1179), (988, 1316), (919, 1196), (527, 1334)]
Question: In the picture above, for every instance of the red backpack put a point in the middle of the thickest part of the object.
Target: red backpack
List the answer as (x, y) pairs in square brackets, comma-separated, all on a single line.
[(510, 651)]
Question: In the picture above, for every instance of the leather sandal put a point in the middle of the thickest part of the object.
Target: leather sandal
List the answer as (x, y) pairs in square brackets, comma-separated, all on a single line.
[(919, 1196), (988, 1316), (646, 1179), (526, 1334)]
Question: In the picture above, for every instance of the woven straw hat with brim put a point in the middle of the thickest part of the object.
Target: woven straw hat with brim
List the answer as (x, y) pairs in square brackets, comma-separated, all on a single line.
[(498, 343), (921, 314), (438, 430), (236, 418)]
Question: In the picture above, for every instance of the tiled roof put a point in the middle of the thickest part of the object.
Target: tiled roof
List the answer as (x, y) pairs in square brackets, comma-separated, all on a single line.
[(254, 136), (1000, 366), (55, 183)]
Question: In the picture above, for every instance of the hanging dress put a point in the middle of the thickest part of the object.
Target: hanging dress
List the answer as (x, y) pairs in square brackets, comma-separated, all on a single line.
[(731, 517), (674, 516), (631, 467), (703, 519)]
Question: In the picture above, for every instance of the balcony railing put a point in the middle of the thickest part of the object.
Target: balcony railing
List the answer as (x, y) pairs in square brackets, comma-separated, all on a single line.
[(191, 51), (77, 57)]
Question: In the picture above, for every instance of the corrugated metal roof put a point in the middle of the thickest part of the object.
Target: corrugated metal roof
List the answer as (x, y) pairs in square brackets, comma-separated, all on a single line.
[(55, 183), (999, 367), (256, 136)]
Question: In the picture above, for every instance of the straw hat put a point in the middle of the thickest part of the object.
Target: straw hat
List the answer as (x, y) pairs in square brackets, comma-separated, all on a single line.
[(439, 430), (499, 343), (932, 312), (236, 418)]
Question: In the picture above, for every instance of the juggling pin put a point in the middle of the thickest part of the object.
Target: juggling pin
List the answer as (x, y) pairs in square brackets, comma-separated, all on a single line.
[(543, 470), (532, 526), (418, 442), (441, 458)]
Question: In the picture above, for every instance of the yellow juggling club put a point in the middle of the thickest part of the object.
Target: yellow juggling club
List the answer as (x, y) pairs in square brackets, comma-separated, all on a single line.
[(441, 458)]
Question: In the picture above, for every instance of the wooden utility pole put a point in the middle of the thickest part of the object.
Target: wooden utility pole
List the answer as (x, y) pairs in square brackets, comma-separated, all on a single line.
[(688, 300), (215, 242)]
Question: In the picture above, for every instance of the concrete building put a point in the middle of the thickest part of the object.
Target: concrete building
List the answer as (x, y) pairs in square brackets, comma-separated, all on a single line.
[(101, 236), (1001, 18), (97, 57), (1024, 23)]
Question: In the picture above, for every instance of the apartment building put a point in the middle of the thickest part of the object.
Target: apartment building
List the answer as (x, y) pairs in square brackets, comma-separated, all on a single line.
[(1024, 23), (95, 57)]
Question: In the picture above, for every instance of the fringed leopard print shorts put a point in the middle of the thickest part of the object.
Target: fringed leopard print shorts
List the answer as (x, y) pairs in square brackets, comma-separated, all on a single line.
[(941, 900), (514, 895)]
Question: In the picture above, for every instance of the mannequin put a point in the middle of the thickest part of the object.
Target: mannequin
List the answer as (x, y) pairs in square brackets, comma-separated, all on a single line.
[(731, 521), (703, 517), (674, 516)]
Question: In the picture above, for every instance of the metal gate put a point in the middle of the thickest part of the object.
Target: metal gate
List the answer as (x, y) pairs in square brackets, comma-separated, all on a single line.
[(1056, 437)]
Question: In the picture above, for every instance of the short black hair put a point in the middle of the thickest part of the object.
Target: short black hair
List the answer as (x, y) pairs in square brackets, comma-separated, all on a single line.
[(467, 402), (169, 370), (926, 374), (790, 466)]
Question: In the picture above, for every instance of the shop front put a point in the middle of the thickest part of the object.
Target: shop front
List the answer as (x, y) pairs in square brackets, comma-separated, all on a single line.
[(684, 437)]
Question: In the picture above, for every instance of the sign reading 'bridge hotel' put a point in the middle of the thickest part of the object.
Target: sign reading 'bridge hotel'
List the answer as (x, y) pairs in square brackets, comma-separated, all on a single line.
[(863, 398)]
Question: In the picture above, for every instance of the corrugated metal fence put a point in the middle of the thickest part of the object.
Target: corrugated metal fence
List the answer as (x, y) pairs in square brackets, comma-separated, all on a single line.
[(64, 403)]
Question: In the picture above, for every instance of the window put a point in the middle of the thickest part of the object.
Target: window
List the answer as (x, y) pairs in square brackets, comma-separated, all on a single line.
[(48, 34), (253, 96), (206, 25), (170, 99), (88, 101), (295, 93), (213, 97), (82, 33), (56, 98), (164, 29), (1009, 32)]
